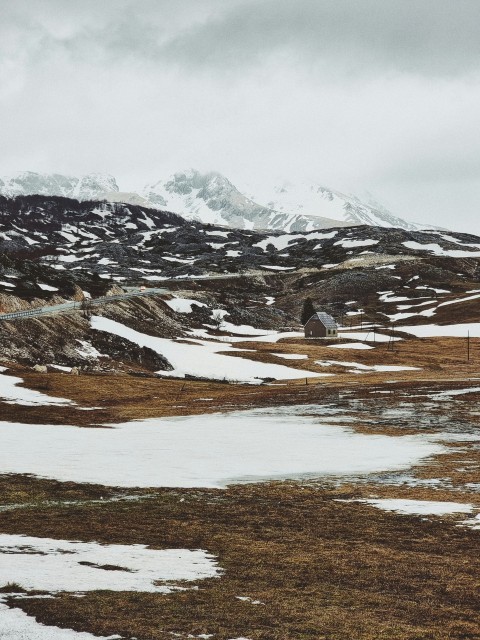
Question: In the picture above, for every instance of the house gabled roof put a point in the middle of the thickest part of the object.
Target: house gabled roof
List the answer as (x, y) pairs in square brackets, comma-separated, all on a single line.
[(326, 319)]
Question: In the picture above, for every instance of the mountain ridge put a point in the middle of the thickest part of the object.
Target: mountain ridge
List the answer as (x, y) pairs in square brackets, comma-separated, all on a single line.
[(213, 199)]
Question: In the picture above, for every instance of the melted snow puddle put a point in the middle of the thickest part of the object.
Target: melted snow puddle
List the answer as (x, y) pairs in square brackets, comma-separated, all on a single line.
[(209, 450), (13, 394)]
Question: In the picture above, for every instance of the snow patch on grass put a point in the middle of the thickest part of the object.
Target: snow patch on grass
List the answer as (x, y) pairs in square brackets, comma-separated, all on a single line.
[(46, 564), (419, 507), (13, 394)]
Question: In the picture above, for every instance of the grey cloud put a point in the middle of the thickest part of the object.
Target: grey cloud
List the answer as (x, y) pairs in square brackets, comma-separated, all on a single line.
[(430, 37), (418, 36)]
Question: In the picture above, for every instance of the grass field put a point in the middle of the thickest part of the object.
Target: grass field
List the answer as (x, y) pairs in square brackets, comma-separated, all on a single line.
[(301, 559)]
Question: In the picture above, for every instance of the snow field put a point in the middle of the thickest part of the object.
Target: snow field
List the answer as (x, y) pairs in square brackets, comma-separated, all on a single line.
[(201, 360), (207, 450)]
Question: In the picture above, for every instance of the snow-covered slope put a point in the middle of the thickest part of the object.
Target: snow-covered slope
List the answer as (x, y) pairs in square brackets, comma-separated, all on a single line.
[(212, 198), (93, 186), (306, 200)]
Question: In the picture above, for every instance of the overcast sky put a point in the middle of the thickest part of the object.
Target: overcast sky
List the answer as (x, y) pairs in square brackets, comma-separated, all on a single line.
[(358, 95)]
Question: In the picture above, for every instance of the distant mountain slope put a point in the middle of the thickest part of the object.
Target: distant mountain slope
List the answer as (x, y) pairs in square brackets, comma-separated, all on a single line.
[(305, 199), (91, 186), (129, 243), (212, 198)]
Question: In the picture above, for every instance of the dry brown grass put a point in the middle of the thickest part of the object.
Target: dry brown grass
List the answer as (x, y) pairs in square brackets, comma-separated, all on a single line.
[(323, 569)]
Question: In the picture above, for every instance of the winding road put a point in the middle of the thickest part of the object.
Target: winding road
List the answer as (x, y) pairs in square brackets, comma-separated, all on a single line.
[(68, 306)]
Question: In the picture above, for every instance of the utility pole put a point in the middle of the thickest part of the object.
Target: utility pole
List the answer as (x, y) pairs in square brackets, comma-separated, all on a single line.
[(391, 342)]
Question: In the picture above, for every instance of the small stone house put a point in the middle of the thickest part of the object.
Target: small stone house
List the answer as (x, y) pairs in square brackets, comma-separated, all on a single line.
[(321, 325)]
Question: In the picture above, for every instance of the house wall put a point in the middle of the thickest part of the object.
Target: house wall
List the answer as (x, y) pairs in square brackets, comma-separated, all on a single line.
[(316, 329)]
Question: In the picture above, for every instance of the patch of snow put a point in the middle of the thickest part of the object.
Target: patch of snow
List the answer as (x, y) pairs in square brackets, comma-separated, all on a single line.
[(201, 360), (395, 317), (275, 268), (419, 507), (183, 305), (17, 625), (224, 234), (291, 356), (46, 564), (12, 394), (47, 287), (437, 250), (346, 243), (458, 300), (207, 450), (87, 350), (365, 367), (283, 241), (70, 258), (433, 289), (182, 260), (351, 345), (448, 330)]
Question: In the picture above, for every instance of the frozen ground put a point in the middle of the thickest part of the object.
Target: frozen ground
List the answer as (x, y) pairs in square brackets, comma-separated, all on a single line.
[(207, 450)]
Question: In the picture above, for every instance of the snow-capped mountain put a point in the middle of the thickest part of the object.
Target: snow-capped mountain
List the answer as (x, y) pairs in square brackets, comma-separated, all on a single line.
[(313, 200), (212, 198), (91, 186)]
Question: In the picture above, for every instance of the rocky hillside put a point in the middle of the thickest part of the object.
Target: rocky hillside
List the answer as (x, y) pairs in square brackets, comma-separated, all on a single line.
[(132, 244), (55, 249)]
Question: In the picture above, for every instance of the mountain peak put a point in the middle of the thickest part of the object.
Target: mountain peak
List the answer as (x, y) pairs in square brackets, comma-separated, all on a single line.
[(90, 186)]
